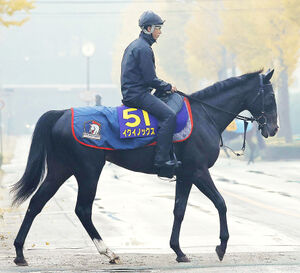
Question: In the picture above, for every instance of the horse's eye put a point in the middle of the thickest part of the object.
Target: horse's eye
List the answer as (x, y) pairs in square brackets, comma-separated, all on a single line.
[(269, 102)]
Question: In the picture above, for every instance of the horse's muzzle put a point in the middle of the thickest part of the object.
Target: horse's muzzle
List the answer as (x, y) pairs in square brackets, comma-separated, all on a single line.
[(274, 131)]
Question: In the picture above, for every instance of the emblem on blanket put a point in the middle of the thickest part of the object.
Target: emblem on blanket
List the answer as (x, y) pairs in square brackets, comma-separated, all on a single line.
[(91, 129)]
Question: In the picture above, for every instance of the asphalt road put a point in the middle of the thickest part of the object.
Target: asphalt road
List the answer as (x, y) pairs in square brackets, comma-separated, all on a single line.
[(133, 214)]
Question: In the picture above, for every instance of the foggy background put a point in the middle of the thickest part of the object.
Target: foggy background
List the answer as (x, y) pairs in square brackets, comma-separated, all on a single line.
[(42, 66)]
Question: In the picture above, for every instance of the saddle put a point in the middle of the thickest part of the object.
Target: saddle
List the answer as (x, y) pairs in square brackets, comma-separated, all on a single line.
[(123, 128)]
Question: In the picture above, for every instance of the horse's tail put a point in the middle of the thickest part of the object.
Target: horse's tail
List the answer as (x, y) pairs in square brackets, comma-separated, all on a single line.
[(36, 162)]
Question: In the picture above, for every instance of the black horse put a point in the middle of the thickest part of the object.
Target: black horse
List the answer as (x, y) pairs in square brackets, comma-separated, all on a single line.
[(54, 148)]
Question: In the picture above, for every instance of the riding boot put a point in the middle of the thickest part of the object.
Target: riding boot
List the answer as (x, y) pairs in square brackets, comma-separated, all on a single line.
[(168, 168), (174, 101), (166, 116), (165, 167)]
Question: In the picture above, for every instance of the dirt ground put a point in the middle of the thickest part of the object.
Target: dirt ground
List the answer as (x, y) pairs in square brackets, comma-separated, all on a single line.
[(87, 259), (263, 215), (74, 260)]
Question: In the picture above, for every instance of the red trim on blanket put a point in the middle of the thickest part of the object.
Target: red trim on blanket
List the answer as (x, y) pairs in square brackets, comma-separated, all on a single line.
[(151, 144), (73, 132)]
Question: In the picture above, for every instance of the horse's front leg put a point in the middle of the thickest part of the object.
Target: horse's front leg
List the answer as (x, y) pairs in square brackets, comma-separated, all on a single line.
[(206, 185), (183, 189)]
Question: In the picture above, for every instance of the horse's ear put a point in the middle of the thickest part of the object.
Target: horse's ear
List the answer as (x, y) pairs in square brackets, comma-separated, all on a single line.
[(268, 75)]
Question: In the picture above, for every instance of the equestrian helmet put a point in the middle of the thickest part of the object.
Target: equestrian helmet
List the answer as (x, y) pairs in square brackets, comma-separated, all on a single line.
[(149, 18)]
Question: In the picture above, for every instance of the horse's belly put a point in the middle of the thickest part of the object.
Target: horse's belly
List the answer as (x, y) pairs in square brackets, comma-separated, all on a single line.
[(138, 160)]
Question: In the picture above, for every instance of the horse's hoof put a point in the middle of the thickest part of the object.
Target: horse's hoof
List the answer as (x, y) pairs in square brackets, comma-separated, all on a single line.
[(20, 261), (183, 259), (220, 252), (115, 260)]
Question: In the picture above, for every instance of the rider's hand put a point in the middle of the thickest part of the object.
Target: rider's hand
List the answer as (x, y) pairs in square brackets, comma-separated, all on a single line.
[(174, 89)]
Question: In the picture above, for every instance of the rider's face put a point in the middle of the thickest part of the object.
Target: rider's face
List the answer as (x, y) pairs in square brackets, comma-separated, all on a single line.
[(156, 32)]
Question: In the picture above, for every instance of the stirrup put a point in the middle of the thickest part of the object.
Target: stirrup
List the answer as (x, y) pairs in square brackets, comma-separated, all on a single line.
[(166, 169), (178, 163)]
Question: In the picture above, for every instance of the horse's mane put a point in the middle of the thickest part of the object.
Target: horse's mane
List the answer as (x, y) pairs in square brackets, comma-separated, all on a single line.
[(224, 85)]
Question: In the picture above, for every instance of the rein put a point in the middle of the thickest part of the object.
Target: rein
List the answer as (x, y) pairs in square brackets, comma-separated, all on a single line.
[(218, 108), (261, 120)]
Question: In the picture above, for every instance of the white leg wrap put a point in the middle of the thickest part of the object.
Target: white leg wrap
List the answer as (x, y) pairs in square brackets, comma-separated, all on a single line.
[(103, 249)]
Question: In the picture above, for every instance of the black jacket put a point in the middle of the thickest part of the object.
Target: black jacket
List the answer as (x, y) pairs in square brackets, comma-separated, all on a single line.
[(138, 69)]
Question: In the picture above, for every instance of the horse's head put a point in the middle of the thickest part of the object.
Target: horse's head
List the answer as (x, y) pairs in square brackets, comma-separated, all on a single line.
[(263, 106)]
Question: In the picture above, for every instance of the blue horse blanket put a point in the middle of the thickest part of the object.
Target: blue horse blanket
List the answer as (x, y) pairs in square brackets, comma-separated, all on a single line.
[(122, 128)]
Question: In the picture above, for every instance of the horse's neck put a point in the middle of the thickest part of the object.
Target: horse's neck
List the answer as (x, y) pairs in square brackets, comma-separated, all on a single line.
[(231, 100)]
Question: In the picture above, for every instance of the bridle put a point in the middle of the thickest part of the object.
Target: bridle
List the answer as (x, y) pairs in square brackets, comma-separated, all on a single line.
[(260, 119)]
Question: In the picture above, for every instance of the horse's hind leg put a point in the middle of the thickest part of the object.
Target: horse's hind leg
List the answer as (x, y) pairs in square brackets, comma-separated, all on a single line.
[(206, 185), (87, 186), (54, 179)]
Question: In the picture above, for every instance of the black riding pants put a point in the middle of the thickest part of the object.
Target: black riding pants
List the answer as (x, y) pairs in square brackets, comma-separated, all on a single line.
[(167, 122)]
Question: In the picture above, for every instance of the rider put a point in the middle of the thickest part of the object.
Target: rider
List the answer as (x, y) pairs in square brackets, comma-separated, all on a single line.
[(138, 79)]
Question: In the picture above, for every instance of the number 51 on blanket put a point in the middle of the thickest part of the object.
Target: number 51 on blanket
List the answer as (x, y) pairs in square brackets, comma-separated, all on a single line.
[(136, 123)]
